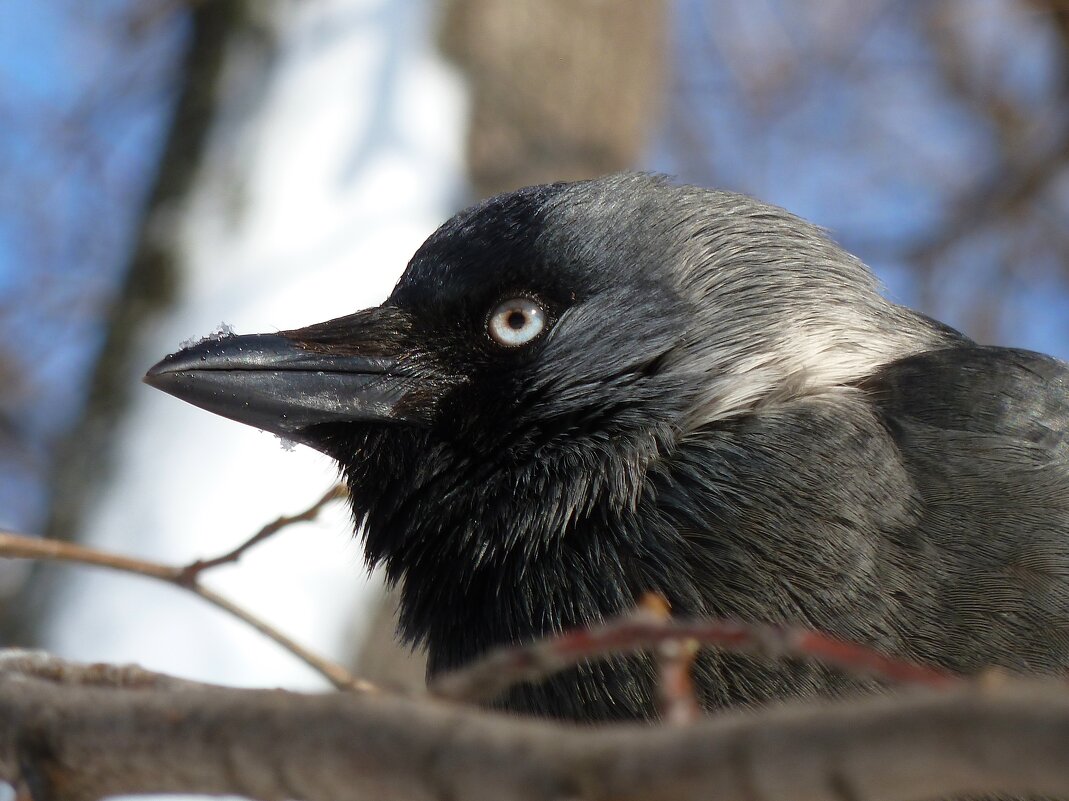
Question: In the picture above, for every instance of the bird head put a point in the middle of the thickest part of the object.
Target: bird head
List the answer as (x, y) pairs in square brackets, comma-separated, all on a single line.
[(497, 416)]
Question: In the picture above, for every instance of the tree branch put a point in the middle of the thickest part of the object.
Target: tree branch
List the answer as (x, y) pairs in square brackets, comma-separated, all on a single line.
[(677, 700), (18, 546), (71, 737), (490, 676), (192, 571)]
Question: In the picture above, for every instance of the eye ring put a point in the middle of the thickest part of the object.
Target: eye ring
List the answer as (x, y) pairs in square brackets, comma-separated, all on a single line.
[(515, 322)]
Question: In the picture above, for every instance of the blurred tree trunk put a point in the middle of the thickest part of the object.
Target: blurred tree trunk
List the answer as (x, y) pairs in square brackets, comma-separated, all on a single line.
[(560, 90)]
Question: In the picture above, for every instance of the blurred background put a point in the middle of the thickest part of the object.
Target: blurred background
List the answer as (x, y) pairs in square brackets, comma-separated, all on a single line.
[(174, 166)]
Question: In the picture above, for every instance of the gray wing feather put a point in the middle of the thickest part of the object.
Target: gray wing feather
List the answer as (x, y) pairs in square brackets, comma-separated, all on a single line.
[(984, 435)]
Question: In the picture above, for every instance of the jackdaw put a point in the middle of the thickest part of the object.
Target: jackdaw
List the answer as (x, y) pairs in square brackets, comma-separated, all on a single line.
[(582, 392)]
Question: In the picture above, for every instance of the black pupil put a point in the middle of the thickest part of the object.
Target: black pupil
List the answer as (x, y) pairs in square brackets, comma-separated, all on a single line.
[(516, 320)]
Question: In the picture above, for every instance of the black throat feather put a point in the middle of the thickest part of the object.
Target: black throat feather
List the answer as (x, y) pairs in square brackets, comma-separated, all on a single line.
[(545, 538)]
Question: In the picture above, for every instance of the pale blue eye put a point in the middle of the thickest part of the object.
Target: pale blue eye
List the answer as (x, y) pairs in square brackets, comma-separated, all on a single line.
[(516, 322)]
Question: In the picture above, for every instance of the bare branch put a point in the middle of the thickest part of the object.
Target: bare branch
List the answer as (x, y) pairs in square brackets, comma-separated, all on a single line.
[(21, 546), (677, 701), (44, 666), (490, 676), (18, 546), (191, 572), (60, 732)]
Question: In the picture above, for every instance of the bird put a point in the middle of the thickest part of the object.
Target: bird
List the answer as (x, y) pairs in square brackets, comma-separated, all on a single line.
[(582, 392)]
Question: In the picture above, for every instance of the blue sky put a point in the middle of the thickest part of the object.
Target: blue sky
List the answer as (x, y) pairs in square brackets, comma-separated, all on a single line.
[(83, 103)]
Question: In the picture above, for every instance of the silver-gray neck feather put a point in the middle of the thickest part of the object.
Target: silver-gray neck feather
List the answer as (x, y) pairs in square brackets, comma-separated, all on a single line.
[(779, 310)]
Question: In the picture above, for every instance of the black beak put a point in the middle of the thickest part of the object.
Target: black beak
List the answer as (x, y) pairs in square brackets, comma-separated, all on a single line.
[(340, 371)]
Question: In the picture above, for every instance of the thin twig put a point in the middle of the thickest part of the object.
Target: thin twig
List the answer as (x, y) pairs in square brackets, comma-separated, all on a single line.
[(334, 673), (677, 701), (18, 546), (488, 677), (21, 546), (192, 571)]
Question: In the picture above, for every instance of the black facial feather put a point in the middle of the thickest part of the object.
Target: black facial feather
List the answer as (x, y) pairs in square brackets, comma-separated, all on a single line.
[(720, 408)]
